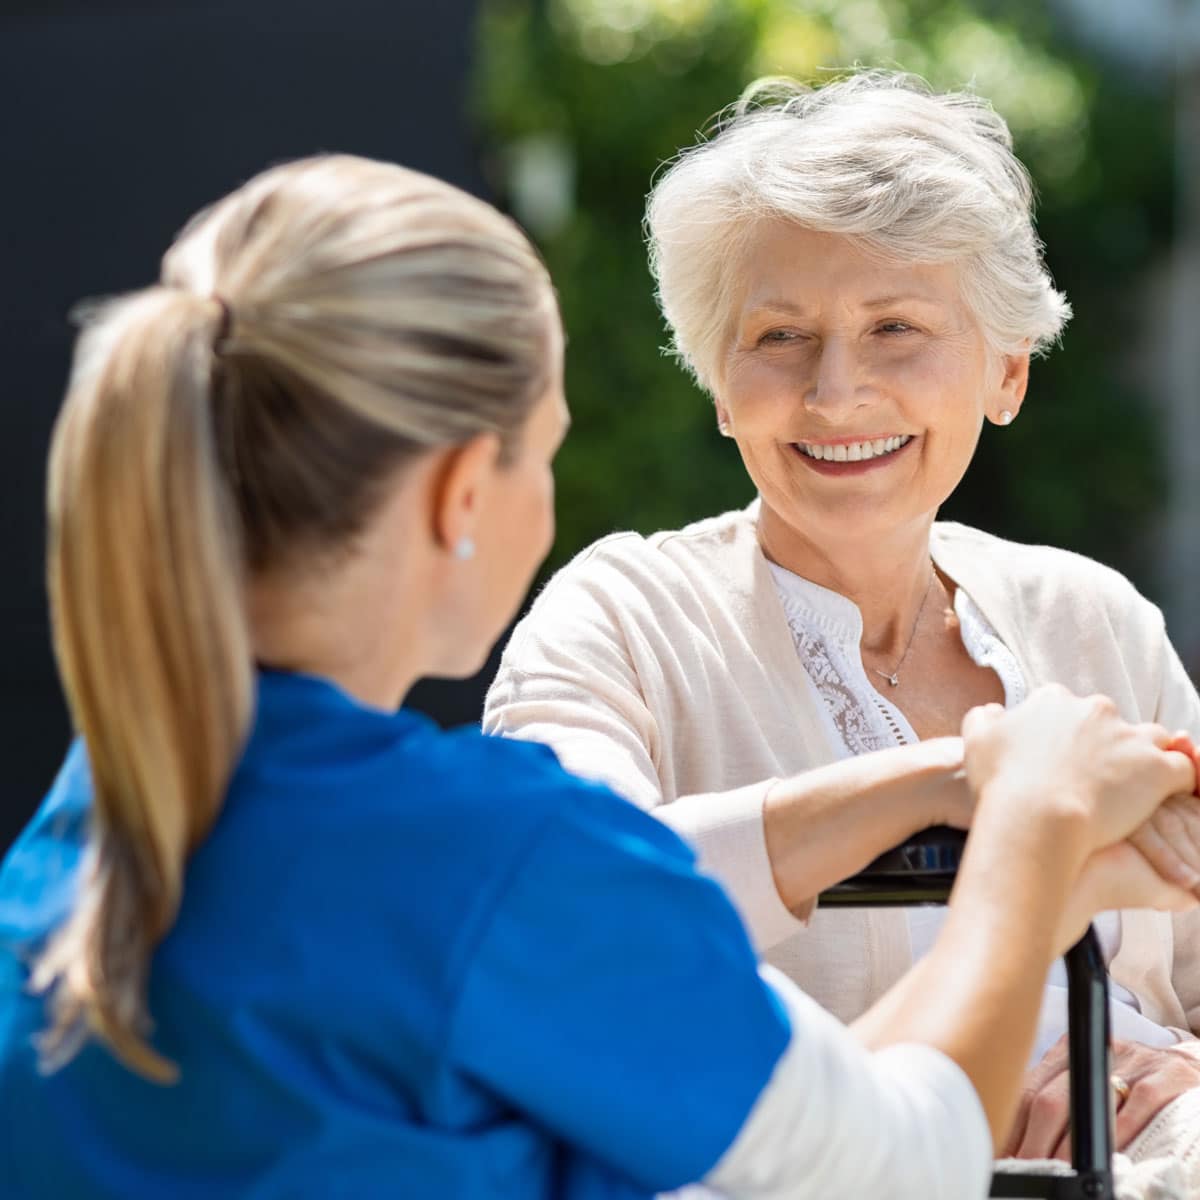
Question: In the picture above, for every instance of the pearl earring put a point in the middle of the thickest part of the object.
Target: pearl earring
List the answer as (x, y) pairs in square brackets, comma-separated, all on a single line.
[(1006, 417), (723, 428), (464, 548)]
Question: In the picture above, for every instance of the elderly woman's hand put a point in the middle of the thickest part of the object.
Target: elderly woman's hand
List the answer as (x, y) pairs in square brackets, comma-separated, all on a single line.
[(1155, 1076), (1170, 839), (1114, 878)]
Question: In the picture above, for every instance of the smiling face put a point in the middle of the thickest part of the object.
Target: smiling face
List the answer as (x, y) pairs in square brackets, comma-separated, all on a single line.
[(855, 389)]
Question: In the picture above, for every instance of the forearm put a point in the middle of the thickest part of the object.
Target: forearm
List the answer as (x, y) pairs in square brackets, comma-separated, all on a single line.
[(977, 995), (804, 1136), (827, 824)]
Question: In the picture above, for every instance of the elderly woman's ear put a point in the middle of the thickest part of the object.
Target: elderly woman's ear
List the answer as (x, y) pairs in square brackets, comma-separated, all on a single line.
[(1004, 405), (723, 426)]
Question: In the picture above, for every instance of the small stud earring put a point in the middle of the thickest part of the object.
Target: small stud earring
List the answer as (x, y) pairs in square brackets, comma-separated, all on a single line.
[(723, 428), (1006, 417), (464, 548)]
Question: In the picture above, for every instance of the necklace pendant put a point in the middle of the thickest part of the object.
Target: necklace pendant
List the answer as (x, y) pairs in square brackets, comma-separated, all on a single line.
[(894, 680)]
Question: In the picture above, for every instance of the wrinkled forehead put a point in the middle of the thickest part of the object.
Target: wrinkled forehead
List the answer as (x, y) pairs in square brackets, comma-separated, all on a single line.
[(779, 264)]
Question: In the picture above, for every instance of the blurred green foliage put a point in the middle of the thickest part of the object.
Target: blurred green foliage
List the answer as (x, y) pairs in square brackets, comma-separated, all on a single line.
[(579, 101)]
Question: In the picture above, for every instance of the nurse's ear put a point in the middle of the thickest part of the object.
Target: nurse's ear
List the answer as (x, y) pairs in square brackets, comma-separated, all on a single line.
[(462, 484)]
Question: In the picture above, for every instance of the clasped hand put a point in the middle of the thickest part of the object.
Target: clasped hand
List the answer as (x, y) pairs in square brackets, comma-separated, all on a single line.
[(1128, 789), (1061, 751), (1136, 786)]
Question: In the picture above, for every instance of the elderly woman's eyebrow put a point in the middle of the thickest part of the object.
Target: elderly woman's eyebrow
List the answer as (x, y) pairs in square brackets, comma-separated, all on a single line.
[(791, 307), (773, 305), (903, 298)]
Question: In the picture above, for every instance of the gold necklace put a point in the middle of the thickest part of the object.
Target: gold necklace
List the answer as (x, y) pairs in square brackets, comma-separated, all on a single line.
[(893, 677)]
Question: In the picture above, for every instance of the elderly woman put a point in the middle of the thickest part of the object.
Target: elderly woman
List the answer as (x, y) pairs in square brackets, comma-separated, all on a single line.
[(853, 274)]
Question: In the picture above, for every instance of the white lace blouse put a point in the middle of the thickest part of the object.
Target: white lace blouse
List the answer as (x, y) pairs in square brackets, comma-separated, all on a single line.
[(827, 630)]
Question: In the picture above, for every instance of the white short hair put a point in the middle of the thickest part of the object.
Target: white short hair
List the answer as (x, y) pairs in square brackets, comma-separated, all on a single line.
[(909, 174)]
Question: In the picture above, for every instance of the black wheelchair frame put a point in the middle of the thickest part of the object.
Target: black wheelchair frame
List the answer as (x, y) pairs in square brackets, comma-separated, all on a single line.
[(922, 871)]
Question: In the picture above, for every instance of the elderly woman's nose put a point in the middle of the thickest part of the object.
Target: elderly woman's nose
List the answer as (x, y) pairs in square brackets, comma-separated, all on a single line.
[(836, 382)]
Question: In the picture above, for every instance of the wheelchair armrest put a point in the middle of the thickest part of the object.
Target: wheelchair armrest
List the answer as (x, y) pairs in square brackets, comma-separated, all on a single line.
[(920, 870)]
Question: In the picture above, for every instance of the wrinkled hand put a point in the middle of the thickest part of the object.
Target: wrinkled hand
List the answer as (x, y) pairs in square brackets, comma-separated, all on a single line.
[(1056, 749), (1170, 839), (1155, 1077), (1114, 878)]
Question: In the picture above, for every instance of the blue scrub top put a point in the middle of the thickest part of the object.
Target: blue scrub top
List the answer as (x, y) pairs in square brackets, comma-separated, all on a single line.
[(408, 963)]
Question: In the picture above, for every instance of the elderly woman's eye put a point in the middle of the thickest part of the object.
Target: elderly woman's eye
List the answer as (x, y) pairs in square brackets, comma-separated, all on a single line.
[(777, 335), (894, 327)]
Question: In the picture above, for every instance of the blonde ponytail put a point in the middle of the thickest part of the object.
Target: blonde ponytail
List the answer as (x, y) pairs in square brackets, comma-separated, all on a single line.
[(152, 644), (373, 313)]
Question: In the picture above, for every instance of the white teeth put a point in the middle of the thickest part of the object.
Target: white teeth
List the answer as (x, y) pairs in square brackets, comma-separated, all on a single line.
[(853, 451)]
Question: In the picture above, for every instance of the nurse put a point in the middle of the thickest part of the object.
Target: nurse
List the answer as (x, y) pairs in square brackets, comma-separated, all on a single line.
[(274, 935)]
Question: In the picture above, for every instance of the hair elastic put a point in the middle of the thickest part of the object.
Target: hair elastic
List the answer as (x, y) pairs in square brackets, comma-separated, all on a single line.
[(225, 327)]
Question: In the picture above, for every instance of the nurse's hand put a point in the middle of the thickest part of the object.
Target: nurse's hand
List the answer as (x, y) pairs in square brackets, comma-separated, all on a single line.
[(1154, 1076), (1061, 754)]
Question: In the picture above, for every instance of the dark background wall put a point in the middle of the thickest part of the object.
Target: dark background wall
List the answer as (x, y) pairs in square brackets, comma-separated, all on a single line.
[(117, 121)]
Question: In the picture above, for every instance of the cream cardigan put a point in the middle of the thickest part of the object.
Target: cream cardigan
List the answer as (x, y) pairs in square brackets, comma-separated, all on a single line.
[(665, 667)]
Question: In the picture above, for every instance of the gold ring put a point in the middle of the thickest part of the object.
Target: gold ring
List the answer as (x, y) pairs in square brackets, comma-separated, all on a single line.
[(1120, 1087)]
